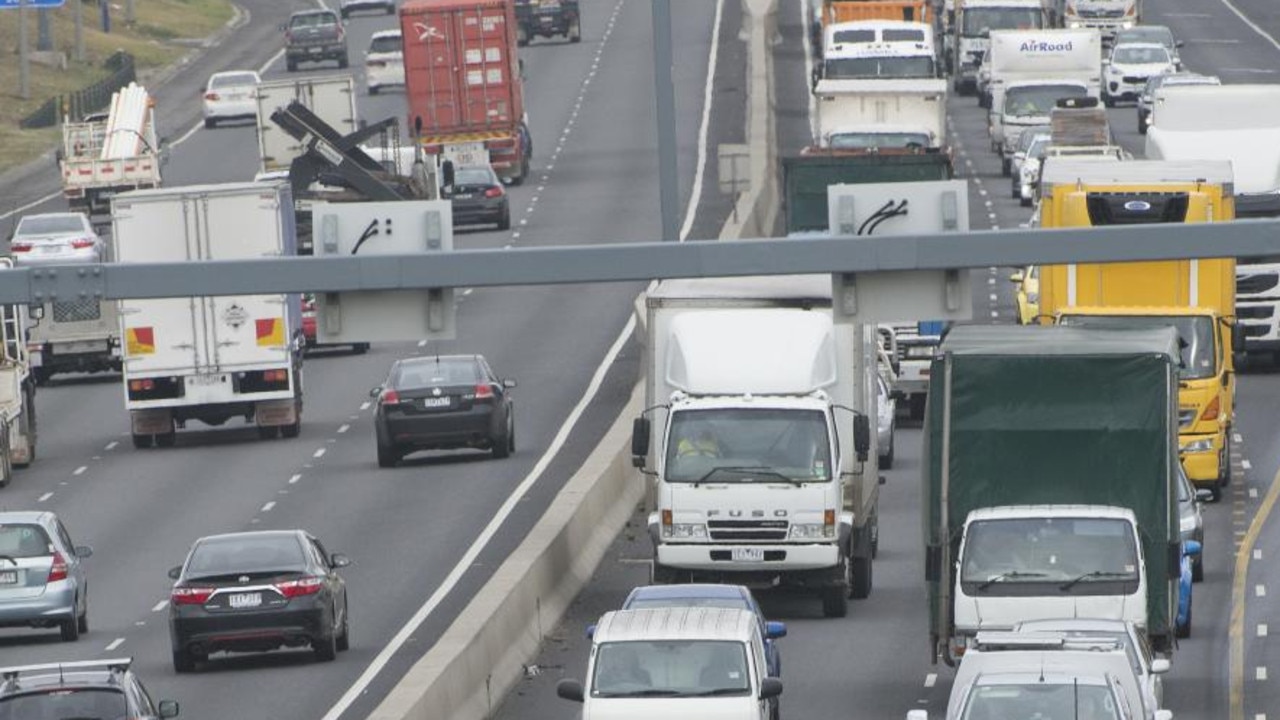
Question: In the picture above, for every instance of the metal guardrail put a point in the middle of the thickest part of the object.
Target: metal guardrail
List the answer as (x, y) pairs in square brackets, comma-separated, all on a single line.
[(85, 100)]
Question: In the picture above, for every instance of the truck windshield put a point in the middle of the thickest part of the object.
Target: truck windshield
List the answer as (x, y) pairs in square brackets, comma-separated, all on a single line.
[(920, 66), (1199, 351), (1057, 550), (748, 445), (876, 140), (1038, 99), (979, 22), (670, 668), (1046, 700)]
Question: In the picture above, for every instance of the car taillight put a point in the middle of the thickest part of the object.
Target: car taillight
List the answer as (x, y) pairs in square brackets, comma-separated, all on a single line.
[(20, 247), (390, 397), (483, 392), (211, 96), (82, 243), (58, 571), (493, 192), (302, 586), (190, 595)]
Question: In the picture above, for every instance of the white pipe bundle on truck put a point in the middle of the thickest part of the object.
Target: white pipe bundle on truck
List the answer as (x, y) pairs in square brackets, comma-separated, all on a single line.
[(101, 159)]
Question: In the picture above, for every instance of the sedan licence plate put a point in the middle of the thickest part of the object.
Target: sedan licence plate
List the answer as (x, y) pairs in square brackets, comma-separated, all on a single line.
[(9, 577), (435, 402), (245, 600), (747, 555)]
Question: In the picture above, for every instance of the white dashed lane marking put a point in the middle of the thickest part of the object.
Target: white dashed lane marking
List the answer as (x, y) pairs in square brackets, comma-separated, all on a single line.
[(44, 497), (111, 445), (268, 506), (160, 606), (318, 453), (343, 428), (114, 644), (80, 470)]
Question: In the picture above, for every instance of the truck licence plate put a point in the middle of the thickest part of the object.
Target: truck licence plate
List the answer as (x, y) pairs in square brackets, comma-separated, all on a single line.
[(472, 153), (747, 555), (206, 379)]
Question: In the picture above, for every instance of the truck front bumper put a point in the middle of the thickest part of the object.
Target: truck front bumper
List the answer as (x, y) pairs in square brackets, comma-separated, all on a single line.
[(1202, 457), (780, 558)]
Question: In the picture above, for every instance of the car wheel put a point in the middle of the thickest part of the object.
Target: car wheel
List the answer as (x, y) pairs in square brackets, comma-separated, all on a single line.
[(522, 37), (886, 460), (1015, 189), (167, 439), (1108, 100), (325, 648), (210, 123), (511, 437), (70, 629), (1006, 166), (500, 444), (183, 662), (344, 638), (504, 221), (391, 8), (82, 622), (360, 348), (388, 455), (373, 89), (1142, 127), (575, 31), (40, 376), (142, 441), (291, 65), (342, 62)]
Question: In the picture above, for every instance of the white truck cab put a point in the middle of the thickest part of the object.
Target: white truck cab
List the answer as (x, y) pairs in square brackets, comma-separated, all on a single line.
[(1036, 562), (878, 49), (679, 662)]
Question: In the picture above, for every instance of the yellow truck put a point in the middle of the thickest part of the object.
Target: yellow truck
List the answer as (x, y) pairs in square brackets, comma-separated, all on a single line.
[(1196, 296)]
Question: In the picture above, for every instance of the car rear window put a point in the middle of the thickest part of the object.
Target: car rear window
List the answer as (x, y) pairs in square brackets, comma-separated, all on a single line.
[(219, 556), (313, 20), (387, 44), (665, 602), (24, 541), (103, 703), (43, 225), (238, 79), (473, 176), (430, 373)]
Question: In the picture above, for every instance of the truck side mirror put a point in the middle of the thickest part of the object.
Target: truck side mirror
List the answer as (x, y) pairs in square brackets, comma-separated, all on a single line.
[(569, 690), (639, 441), (1237, 338), (861, 436), (446, 174), (770, 687)]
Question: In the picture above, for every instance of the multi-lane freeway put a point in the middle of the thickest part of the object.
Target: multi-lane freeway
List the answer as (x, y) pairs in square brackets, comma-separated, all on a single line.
[(410, 530)]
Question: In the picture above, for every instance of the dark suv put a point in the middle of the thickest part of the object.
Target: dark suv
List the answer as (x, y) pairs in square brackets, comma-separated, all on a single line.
[(547, 18), (82, 689), (314, 36)]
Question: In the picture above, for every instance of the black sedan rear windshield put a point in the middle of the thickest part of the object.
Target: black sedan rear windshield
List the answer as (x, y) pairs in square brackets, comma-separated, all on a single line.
[(220, 556), (432, 373)]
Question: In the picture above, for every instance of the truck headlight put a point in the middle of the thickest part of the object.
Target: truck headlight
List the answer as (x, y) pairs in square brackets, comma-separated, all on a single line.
[(811, 531), (684, 531), (1198, 446)]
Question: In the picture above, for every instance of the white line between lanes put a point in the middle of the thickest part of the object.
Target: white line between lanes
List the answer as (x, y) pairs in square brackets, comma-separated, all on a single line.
[(160, 606), (318, 453), (44, 497), (112, 445), (343, 428), (80, 470), (114, 644), (1252, 25), (930, 679), (268, 506)]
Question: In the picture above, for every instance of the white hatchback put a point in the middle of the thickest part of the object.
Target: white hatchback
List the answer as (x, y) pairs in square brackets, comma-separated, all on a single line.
[(384, 61), (231, 95)]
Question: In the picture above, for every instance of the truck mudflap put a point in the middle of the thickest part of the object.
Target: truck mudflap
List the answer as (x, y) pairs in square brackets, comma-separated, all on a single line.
[(151, 421), (273, 413)]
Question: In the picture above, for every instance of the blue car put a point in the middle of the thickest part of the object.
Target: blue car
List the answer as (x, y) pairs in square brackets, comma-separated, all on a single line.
[(711, 595), (1190, 549)]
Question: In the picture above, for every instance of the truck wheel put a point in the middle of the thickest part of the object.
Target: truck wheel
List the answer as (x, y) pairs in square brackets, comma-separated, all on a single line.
[(834, 603), (292, 430), (522, 36), (388, 455), (1006, 166), (1184, 631), (167, 439), (504, 222), (142, 441), (291, 65), (1224, 464), (373, 90), (1108, 101), (267, 432), (886, 460), (1197, 568), (860, 578), (575, 31), (916, 407), (342, 63)]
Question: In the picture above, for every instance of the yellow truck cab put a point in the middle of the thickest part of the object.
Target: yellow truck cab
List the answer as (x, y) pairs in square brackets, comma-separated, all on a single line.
[(1197, 296)]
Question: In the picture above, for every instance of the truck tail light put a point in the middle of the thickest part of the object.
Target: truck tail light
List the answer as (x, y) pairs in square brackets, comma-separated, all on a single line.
[(275, 375), (58, 571), (190, 595), (1212, 409), (138, 385)]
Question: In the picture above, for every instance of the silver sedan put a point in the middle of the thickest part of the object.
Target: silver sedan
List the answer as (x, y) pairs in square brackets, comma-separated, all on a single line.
[(55, 239)]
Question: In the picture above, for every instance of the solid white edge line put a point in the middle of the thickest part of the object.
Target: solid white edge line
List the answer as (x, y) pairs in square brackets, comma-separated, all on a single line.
[(1252, 25), (402, 636), (695, 192), (482, 541)]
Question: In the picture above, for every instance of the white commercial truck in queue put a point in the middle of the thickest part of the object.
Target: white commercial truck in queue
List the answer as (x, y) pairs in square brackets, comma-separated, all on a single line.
[(889, 113), (1106, 16), (877, 49), (757, 437), (210, 359), (100, 158), (1030, 72), (332, 99), (970, 34), (17, 390), (1239, 123)]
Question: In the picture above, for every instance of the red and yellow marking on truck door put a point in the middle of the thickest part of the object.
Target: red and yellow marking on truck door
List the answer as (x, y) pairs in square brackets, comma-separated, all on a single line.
[(141, 341), (270, 332)]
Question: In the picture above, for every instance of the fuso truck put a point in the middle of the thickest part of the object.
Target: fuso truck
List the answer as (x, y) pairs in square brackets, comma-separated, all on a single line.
[(1049, 481), (1197, 296), (756, 435), (463, 83), (211, 359), (970, 34)]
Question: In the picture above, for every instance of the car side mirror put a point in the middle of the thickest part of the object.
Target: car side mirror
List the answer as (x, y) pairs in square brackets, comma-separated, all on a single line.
[(640, 428), (83, 551), (774, 630), (37, 312), (1159, 666), (1178, 44), (168, 708), (569, 690), (591, 631), (770, 687), (284, 28), (508, 383), (175, 572), (338, 560), (375, 391)]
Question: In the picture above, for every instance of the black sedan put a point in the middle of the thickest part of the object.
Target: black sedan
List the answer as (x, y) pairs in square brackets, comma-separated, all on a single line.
[(443, 402), (478, 197), (254, 592)]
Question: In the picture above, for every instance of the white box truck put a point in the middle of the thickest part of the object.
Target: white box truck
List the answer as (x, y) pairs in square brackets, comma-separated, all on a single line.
[(332, 99), (17, 391), (1035, 69), (757, 437), (210, 359), (1106, 16), (871, 114), (1239, 123), (970, 33)]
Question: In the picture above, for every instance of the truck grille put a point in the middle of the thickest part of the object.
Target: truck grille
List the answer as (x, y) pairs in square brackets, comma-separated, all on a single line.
[(1255, 312), (1134, 79), (734, 530), (1099, 13), (1256, 284), (1255, 331), (81, 310)]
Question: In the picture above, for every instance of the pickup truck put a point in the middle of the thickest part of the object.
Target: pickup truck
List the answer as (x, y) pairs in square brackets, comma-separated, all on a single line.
[(314, 36)]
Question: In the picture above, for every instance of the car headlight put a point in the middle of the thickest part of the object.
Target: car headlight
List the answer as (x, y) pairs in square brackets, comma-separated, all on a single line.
[(684, 531), (1198, 446), (811, 531)]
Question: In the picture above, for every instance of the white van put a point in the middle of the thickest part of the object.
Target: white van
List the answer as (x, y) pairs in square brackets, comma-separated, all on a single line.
[(679, 662)]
